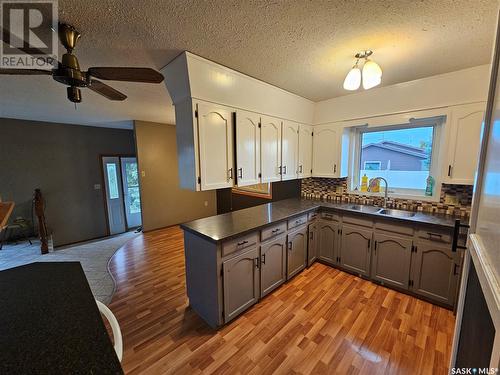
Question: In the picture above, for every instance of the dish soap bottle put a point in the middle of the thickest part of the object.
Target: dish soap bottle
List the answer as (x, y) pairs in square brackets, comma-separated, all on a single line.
[(364, 183), (430, 186)]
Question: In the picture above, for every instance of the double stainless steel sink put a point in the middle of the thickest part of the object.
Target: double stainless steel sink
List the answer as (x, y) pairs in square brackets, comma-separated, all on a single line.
[(380, 211)]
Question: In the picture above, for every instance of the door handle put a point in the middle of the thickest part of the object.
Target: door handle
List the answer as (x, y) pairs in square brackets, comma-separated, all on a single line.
[(240, 172)]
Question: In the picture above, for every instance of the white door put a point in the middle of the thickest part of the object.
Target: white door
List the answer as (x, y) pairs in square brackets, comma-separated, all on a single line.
[(215, 134), (289, 147), (131, 192), (270, 143), (325, 151), (305, 151), (247, 148), (464, 141), (114, 197)]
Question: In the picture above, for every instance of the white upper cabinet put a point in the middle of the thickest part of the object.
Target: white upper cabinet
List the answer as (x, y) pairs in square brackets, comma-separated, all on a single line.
[(326, 151), (270, 136), (289, 150), (463, 138), (215, 139), (247, 148), (304, 164)]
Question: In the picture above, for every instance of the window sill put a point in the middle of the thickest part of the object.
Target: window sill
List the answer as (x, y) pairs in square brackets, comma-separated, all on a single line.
[(413, 197)]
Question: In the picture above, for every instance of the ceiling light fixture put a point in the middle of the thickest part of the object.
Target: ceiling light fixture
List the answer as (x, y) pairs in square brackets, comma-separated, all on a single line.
[(371, 74)]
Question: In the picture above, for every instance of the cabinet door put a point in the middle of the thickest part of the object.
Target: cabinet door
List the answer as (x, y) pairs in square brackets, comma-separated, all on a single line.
[(289, 148), (270, 155), (312, 243), (247, 148), (325, 151), (464, 141), (304, 166), (241, 282), (391, 260), (215, 134), (356, 249), (435, 270), (328, 234), (273, 265), (297, 248)]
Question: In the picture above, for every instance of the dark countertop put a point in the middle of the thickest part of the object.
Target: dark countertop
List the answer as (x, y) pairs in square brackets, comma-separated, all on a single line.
[(50, 323), (232, 224)]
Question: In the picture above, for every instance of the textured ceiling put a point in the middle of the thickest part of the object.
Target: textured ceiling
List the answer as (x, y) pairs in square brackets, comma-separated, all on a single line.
[(305, 47)]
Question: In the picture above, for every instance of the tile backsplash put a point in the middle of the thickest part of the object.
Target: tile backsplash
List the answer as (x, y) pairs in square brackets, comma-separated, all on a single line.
[(455, 200)]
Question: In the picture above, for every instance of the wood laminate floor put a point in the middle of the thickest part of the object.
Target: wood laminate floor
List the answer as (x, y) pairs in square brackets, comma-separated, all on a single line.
[(323, 321)]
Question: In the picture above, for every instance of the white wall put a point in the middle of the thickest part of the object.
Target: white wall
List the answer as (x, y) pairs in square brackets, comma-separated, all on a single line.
[(460, 87)]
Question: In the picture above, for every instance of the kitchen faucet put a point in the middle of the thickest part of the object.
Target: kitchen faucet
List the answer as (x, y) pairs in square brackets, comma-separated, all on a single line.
[(386, 188)]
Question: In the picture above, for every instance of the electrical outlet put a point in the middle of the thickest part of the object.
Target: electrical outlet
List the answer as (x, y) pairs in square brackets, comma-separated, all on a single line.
[(143, 173), (450, 199), (206, 203)]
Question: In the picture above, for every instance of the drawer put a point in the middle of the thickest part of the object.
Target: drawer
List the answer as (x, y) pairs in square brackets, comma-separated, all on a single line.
[(434, 234), (312, 215), (231, 246), (272, 230), (357, 220), (297, 221), (391, 226), (330, 216)]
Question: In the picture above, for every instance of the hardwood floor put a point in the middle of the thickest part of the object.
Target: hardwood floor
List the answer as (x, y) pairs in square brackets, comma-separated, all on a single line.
[(323, 321)]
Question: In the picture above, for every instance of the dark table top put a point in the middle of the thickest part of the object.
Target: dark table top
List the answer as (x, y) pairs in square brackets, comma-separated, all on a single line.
[(232, 224), (50, 323)]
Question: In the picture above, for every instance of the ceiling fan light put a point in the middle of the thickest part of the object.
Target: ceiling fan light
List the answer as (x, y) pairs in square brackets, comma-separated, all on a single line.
[(353, 79), (372, 74)]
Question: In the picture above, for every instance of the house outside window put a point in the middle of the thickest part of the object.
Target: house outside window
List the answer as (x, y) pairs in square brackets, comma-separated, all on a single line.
[(403, 155)]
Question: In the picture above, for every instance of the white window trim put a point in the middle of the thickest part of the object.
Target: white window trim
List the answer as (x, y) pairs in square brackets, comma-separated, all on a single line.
[(374, 162), (438, 122)]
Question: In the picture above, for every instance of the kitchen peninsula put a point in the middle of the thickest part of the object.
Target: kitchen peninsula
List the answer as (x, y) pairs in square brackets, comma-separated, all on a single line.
[(235, 259)]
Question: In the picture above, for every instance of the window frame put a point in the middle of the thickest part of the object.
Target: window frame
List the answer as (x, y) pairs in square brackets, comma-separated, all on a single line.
[(438, 124)]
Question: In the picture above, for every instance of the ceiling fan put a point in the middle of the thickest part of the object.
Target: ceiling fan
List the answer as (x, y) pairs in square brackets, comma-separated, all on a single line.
[(68, 70)]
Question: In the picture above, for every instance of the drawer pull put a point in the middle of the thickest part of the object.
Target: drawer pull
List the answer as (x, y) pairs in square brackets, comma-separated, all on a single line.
[(242, 243), (276, 230), (440, 236)]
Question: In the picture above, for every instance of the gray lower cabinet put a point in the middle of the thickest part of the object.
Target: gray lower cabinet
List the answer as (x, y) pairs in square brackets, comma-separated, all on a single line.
[(312, 243), (391, 260), (328, 236), (297, 251), (355, 250), (435, 271), (272, 265), (241, 282)]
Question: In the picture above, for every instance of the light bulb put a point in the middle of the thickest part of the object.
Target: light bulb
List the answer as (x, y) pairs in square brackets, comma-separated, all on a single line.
[(372, 74), (353, 79)]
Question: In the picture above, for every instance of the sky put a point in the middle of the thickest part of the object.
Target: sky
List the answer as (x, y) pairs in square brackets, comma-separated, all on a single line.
[(412, 137)]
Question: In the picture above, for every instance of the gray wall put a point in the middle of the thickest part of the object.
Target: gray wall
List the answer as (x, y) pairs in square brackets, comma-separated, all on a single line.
[(64, 162), (399, 160), (163, 202)]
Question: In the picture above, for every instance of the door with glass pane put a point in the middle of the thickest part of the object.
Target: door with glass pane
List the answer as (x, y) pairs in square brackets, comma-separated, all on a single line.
[(131, 192), (114, 194)]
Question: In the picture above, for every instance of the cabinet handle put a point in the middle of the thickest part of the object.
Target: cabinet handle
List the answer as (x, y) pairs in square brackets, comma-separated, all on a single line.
[(369, 243), (281, 170), (263, 259), (455, 266), (241, 243), (311, 235), (449, 170), (240, 172), (230, 173), (375, 246), (290, 244), (335, 168), (300, 168), (256, 262), (284, 169)]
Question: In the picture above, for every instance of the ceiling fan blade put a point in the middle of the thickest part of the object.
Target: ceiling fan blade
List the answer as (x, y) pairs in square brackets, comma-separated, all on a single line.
[(145, 75), (26, 72), (106, 91)]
